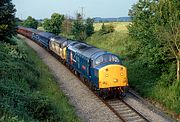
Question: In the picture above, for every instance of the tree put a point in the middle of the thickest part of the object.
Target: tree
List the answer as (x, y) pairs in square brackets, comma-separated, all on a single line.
[(82, 29), (7, 20), (53, 25), (30, 22), (47, 25), (106, 29), (168, 31), (79, 29), (89, 27), (67, 26), (155, 24)]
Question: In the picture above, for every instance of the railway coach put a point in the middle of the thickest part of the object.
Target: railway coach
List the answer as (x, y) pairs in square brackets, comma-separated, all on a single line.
[(25, 31)]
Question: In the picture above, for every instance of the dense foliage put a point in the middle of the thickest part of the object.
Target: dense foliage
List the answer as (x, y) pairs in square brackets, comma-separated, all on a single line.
[(81, 30), (78, 29), (30, 23), (7, 20), (89, 27), (67, 26), (27, 90), (156, 26), (153, 61), (53, 25)]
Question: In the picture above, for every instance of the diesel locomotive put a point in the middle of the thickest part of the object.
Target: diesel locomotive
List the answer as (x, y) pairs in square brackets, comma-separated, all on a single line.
[(102, 70)]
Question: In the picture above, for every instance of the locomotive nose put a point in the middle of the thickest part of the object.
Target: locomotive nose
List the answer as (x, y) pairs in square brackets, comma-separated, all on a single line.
[(113, 76)]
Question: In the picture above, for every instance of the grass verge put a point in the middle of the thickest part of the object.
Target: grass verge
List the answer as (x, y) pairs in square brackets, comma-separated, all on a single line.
[(28, 91)]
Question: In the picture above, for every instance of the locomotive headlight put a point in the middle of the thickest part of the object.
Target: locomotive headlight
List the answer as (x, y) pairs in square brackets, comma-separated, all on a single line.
[(115, 80), (106, 75), (121, 74)]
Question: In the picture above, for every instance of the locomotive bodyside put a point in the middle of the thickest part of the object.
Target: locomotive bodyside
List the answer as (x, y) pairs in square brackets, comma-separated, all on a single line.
[(56, 44)]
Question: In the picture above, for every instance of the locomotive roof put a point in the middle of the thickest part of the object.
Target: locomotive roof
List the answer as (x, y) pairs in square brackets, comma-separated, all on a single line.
[(34, 30), (70, 41), (85, 49), (58, 39), (62, 40), (46, 34)]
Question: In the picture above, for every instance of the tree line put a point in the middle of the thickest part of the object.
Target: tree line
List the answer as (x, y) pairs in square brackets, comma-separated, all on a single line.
[(156, 27), (58, 23)]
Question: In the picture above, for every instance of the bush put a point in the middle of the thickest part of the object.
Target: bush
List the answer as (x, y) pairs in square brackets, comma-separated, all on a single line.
[(107, 29), (40, 108)]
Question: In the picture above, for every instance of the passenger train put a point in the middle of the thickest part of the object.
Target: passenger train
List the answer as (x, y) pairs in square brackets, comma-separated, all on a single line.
[(102, 70)]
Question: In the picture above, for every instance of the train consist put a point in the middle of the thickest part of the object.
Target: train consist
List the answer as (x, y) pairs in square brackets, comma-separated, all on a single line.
[(102, 70)]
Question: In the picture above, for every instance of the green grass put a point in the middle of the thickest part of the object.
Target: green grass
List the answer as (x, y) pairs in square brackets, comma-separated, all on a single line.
[(109, 42), (28, 91), (40, 28), (146, 81)]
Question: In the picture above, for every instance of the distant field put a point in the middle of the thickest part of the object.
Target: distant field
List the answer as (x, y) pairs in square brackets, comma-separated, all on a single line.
[(41, 28), (119, 26)]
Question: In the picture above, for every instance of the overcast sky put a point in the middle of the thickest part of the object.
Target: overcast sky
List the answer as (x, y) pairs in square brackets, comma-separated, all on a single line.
[(41, 9)]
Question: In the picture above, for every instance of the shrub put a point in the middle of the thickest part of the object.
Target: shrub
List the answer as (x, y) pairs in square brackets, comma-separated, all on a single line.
[(40, 108), (107, 29)]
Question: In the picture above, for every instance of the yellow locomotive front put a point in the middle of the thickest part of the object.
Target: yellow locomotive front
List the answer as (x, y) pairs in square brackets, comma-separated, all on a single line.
[(111, 75)]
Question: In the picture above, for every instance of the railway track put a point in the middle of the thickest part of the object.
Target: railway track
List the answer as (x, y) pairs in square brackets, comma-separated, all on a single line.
[(124, 111), (120, 108)]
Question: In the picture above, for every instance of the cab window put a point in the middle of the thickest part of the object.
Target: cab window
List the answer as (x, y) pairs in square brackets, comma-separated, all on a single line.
[(99, 60), (106, 58), (114, 59)]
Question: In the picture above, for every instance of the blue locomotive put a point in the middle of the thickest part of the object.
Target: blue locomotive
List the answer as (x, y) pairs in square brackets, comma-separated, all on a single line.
[(103, 70)]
